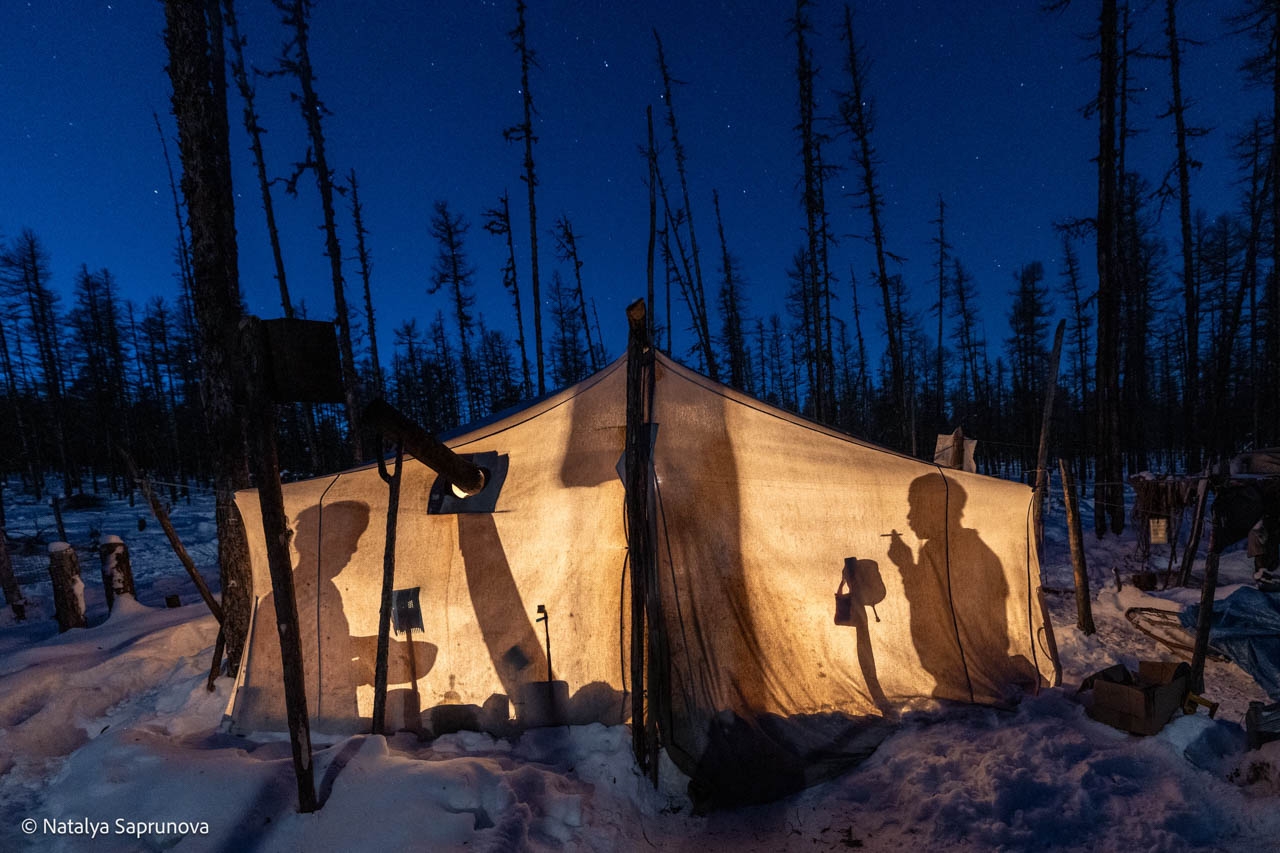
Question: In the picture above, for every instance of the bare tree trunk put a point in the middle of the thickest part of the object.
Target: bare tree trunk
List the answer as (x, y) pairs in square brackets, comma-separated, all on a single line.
[(362, 255), (1190, 287), (9, 583), (815, 216), (1042, 457), (567, 244), (697, 291), (651, 156), (856, 116), (938, 380), (194, 39), (1272, 291), (296, 16), (68, 588), (1108, 488), (497, 221), (55, 503), (524, 132), (1084, 603), (241, 74)]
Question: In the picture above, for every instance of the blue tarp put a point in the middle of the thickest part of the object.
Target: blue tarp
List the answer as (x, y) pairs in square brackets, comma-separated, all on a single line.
[(1246, 625)]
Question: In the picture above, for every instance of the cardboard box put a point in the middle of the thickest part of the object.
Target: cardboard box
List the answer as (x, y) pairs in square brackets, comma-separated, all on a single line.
[(1139, 703)]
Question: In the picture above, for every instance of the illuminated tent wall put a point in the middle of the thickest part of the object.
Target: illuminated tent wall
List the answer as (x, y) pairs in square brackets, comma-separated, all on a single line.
[(811, 584)]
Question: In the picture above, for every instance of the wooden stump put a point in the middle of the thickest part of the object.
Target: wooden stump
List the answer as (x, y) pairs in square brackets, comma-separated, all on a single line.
[(117, 572), (68, 589)]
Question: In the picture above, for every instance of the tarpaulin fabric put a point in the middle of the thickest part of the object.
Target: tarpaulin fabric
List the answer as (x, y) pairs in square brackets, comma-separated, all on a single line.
[(759, 517), (1246, 625)]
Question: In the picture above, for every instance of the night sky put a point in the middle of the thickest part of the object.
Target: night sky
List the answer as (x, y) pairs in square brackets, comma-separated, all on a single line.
[(977, 102)]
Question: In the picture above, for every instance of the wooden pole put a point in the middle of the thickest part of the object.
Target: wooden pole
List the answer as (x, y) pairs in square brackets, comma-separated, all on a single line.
[(1075, 535), (260, 431), (392, 479), (144, 485), (637, 490), (117, 572), (68, 588), (1042, 458), (1207, 593), (425, 447), (650, 689), (1193, 539)]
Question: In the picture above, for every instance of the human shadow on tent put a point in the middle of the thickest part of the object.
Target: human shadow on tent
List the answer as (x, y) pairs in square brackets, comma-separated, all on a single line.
[(957, 594), (336, 662), (865, 589)]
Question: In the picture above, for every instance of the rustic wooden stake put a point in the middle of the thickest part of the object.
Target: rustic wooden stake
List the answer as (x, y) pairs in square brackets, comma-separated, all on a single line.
[(144, 485), (117, 573), (392, 479), (68, 588), (1075, 536)]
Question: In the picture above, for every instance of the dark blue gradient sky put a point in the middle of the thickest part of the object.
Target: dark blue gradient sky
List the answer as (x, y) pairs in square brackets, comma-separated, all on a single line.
[(977, 102)]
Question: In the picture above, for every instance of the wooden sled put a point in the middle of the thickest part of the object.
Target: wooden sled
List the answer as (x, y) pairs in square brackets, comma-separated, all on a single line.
[(1164, 627)]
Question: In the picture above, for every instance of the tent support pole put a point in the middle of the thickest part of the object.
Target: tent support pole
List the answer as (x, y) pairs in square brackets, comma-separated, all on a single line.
[(392, 479), (639, 542), (260, 430)]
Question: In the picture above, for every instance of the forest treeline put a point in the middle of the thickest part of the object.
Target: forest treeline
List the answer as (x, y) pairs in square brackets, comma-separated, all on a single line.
[(1172, 349)]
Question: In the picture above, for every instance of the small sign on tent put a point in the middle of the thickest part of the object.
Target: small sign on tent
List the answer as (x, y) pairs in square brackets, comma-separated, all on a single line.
[(406, 614)]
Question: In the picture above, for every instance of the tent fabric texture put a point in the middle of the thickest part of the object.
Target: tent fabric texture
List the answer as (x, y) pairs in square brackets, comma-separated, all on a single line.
[(1246, 625), (811, 586)]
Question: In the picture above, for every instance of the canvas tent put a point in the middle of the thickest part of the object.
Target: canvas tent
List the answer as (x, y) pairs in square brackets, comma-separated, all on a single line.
[(810, 585)]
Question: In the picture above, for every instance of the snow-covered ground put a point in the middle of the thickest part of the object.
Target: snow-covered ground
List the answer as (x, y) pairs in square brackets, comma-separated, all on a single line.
[(110, 741)]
